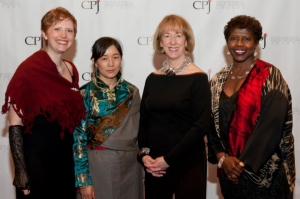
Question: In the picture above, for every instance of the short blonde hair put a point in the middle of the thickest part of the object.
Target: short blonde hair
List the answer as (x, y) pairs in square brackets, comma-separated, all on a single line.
[(178, 24)]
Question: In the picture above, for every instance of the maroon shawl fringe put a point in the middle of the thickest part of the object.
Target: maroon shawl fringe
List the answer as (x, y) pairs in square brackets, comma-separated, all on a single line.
[(37, 88)]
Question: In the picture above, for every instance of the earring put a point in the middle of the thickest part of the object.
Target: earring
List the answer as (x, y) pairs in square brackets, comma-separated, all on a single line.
[(255, 53), (228, 53), (95, 70)]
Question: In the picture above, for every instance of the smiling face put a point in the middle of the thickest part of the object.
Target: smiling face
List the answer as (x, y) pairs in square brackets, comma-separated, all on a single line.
[(241, 45), (109, 64), (173, 43), (59, 36)]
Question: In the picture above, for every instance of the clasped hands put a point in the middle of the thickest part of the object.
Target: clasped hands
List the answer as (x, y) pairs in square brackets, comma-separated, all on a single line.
[(156, 166), (233, 168)]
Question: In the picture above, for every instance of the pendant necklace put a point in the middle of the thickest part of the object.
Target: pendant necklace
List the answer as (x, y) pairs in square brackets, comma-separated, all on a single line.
[(172, 71)]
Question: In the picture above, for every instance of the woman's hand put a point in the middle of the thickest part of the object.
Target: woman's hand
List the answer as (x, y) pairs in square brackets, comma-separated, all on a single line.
[(148, 161), (232, 168), (156, 173), (154, 166), (160, 164), (26, 192), (87, 192)]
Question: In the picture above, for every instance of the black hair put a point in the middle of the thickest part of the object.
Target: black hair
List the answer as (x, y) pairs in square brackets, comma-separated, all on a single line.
[(244, 22), (101, 45)]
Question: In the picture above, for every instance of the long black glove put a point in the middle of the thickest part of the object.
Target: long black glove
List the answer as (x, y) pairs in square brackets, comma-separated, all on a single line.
[(16, 146)]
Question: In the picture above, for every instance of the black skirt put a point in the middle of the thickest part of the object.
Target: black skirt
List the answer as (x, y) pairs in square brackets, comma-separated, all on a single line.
[(49, 161), (246, 189)]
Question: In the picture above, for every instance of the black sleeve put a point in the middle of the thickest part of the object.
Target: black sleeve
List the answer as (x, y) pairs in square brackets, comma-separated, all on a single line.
[(143, 128), (214, 143), (268, 131), (21, 180), (201, 118)]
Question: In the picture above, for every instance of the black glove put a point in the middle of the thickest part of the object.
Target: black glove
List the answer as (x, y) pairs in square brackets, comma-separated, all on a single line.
[(16, 146)]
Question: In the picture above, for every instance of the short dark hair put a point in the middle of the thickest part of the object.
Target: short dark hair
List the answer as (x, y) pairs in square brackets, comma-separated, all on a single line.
[(101, 45), (244, 22)]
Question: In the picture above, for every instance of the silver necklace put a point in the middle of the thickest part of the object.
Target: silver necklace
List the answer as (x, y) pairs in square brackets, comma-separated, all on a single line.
[(246, 73), (172, 71)]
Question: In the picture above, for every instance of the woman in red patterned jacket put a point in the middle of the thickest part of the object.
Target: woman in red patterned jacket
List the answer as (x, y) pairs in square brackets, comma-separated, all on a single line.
[(251, 130)]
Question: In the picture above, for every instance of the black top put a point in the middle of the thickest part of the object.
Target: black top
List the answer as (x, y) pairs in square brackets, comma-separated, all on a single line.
[(226, 105), (259, 144), (175, 114)]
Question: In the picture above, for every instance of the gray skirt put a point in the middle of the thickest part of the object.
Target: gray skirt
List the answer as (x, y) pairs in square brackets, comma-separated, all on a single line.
[(115, 174)]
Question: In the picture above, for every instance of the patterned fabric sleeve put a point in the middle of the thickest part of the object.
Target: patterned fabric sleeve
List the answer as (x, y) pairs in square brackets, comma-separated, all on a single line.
[(273, 132), (82, 173)]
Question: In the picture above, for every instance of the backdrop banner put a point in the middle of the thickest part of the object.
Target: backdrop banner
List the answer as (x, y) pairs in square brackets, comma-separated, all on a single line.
[(133, 22)]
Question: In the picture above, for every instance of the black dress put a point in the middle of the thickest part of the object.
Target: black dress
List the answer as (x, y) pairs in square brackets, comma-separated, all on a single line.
[(175, 114), (49, 161)]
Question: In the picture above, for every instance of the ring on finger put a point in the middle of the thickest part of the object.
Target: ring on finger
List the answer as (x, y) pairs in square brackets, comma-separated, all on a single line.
[(157, 173)]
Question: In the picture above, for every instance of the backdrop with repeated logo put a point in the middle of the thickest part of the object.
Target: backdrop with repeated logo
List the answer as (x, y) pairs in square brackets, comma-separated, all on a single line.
[(133, 22)]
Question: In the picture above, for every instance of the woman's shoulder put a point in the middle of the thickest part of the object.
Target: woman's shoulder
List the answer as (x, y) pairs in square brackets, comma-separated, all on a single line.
[(221, 74), (84, 89), (158, 72), (124, 81), (33, 60), (193, 69), (129, 85), (152, 76)]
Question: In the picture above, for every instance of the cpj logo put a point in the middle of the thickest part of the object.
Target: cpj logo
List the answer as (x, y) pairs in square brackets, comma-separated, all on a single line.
[(265, 40), (91, 5), (201, 5), (208, 74), (10, 3), (87, 76), (34, 40), (145, 40)]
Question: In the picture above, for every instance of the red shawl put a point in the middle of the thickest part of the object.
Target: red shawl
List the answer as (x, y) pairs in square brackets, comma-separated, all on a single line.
[(37, 88), (247, 104)]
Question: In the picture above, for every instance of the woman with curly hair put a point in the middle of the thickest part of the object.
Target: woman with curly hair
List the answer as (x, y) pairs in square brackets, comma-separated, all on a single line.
[(251, 129)]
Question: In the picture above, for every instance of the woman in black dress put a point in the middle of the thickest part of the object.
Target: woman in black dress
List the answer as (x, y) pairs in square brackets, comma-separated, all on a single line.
[(44, 97), (175, 113)]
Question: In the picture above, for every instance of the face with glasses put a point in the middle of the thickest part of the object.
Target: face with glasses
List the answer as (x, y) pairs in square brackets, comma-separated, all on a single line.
[(109, 64)]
